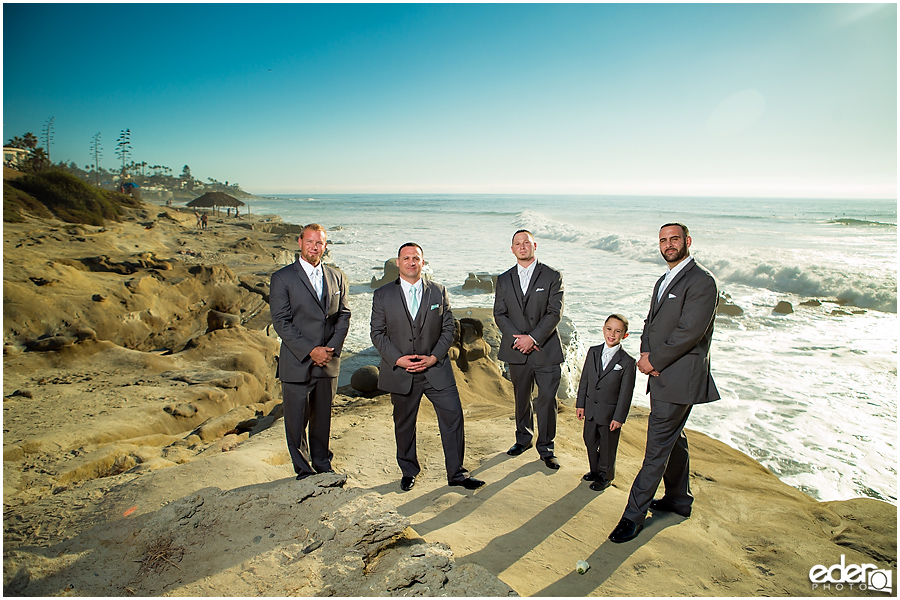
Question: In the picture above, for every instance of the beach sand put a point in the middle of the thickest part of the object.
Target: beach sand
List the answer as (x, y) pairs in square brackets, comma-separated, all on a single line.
[(144, 455)]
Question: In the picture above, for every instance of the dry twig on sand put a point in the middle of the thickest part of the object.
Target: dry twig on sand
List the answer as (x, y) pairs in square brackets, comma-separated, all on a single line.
[(160, 554)]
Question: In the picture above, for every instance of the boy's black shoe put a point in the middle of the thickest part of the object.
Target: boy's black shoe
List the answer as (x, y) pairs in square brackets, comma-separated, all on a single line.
[(601, 484)]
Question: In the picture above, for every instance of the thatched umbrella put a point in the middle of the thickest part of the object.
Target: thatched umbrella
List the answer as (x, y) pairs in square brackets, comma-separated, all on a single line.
[(215, 199)]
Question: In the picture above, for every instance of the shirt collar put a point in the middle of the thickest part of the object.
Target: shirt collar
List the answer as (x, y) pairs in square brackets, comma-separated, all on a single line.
[(528, 269), (405, 285), (679, 267), (308, 268)]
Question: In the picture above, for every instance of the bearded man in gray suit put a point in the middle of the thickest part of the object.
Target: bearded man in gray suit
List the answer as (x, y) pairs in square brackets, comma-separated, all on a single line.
[(528, 305), (412, 328), (308, 302), (675, 348)]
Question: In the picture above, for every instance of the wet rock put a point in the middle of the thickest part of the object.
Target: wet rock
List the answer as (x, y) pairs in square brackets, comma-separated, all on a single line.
[(480, 281), (365, 379), (727, 307), (783, 308), (391, 272), (812, 302)]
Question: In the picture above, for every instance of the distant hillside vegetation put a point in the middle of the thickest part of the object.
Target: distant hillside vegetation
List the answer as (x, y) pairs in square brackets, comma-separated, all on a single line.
[(61, 195)]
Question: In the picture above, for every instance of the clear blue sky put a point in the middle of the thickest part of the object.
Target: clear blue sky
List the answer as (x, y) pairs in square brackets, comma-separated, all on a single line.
[(663, 99)]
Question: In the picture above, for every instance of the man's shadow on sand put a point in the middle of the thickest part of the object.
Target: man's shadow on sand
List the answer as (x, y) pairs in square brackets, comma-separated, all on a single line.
[(470, 502), (605, 560)]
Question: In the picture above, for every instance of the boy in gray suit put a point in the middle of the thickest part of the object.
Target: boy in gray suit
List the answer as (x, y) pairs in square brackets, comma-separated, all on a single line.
[(604, 397)]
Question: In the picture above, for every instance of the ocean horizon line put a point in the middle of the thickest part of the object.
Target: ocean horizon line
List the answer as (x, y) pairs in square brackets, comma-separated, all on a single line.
[(578, 195)]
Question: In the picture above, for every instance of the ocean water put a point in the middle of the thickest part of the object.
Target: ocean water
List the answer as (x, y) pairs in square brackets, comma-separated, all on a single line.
[(812, 395)]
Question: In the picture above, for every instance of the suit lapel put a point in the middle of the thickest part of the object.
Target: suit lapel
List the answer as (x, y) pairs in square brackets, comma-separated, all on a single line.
[(424, 304), (532, 283), (612, 362), (599, 365), (301, 273), (678, 277), (517, 287), (326, 289), (654, 303)]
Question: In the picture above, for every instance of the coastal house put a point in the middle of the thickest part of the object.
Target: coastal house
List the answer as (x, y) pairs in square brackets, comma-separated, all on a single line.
[(13, 156)]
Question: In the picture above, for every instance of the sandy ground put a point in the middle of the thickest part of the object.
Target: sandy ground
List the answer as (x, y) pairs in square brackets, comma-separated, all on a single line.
[(135, 426)]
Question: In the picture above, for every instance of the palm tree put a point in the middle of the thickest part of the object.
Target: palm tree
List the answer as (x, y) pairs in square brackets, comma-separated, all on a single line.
[(38, 159)]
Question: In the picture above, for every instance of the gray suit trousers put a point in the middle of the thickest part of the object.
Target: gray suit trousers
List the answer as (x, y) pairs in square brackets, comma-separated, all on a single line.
[(307, 405), (602, 445), (524, 377), (666, 460), (450, 423)]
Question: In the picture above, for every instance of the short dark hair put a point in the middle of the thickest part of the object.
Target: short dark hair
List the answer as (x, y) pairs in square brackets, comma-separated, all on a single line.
[(619, 317), (684, 228), (407, 245), (521, 231)]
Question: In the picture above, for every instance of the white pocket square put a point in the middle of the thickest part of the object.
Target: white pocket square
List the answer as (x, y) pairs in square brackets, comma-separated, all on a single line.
[(539, 290), (434, 306), (672, 296), (617, 368)]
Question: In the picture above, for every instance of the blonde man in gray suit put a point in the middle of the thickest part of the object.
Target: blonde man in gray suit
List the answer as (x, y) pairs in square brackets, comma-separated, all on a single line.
[(308, 302), (412, 328), (675, 347), (528, 305)]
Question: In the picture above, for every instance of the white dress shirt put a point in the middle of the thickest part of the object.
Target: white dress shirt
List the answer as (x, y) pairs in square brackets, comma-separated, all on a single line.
[(608, 354), (315, 275), (525, 274), (407, 291)]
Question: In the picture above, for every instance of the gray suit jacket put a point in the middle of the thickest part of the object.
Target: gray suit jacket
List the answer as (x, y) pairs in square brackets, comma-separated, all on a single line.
[(304, 322), (605, 394), (395, 334), (537, 313), (678, 335)]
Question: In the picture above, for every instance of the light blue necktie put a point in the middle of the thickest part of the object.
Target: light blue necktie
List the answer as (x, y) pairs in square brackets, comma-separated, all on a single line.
[(413, 302), (317, 282)]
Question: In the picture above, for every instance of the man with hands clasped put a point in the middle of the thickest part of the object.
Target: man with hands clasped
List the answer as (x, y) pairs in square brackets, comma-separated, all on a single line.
[(412, 328), (675, 347)]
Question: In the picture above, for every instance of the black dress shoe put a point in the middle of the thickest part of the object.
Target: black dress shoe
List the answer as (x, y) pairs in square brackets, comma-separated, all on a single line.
[(551, 462), (407, 483), (664, 505), (625, 531), (601, 484), (591, 476), (517, 449), (470, 483), (302, 476)]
